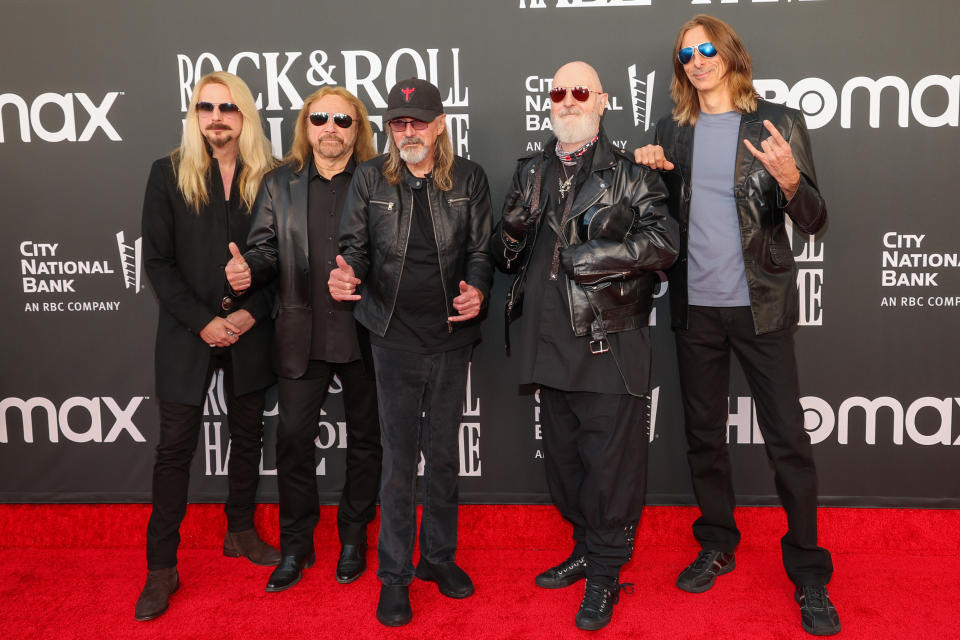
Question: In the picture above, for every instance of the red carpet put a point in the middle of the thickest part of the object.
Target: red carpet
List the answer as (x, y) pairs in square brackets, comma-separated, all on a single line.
[(75, 571)]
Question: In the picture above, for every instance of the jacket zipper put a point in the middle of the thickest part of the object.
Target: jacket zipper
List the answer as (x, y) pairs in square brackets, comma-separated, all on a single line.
[(443, 279), (396, 292)]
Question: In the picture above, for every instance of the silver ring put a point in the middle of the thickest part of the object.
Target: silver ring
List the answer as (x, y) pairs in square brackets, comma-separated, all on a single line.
[(231, 333)]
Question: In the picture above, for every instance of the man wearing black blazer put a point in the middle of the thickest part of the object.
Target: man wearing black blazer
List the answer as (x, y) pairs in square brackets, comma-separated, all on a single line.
[(293, 241), (197, 200)]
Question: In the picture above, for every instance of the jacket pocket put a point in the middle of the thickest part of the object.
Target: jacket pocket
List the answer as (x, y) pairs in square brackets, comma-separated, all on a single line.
[(385, 206), (781, 257)]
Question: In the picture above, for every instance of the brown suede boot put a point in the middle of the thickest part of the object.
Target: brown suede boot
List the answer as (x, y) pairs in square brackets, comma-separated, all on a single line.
[(155, 596), (249, 545)]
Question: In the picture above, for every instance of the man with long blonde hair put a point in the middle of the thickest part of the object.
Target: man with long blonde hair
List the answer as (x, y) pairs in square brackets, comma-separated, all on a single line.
[(413, 238), (734, 289), (293, 242), (197, 200)]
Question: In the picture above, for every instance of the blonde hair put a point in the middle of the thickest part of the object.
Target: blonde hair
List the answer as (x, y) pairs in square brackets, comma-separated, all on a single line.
[(302, 150), (739, 73), (191, 160), (442, 162)]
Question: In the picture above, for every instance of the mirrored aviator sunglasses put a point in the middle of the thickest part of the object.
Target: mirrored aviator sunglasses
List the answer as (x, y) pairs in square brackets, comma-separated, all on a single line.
[(342, 120), (225, 107), (706, 49)]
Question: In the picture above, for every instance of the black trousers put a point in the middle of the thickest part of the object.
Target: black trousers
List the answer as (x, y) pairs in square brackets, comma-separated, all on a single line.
[(421, 407), (595, 453), (179, 431), (769, 363), (300, 403)]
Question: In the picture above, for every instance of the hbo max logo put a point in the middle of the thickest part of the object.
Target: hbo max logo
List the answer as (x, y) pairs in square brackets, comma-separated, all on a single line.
[(820, 102)]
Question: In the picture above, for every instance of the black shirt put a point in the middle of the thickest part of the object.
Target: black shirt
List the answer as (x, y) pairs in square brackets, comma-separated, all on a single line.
[(551, 354), (334, 334), (419, 321)]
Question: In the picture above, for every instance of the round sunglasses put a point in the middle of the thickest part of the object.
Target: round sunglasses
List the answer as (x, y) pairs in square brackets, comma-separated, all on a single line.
[(706, 49), (342, 120)]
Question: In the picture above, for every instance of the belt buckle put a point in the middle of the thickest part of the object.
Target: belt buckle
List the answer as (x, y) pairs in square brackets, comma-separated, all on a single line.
[(226, 303), (599, 346)]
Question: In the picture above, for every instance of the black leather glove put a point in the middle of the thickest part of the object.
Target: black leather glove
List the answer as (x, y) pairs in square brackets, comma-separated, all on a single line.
[(517, 220)]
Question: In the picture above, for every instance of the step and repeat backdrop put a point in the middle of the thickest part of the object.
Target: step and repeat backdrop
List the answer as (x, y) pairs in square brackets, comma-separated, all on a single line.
[(91, 93)]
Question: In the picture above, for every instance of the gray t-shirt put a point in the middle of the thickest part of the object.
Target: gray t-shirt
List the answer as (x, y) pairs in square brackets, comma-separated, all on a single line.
[(715, 274)]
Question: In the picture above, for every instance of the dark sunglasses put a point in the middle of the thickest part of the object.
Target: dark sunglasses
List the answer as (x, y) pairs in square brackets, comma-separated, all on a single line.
[(342, 120), (225, 107), (706, 49), (399, 126), (580, 94)]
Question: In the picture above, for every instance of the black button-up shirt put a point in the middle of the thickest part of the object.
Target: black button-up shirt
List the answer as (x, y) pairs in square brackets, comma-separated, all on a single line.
[(334, 337)]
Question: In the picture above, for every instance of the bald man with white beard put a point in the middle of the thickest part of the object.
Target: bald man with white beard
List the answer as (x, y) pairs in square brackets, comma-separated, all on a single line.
[(585, 229)]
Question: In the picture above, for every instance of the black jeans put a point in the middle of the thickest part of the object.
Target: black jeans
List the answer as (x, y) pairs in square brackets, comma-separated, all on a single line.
[(769, 363), (300, 403), (411, 385), (179, 431), (595, 454)]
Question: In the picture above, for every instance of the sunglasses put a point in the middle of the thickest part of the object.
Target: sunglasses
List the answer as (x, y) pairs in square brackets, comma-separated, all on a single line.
[(342, 120), (225, 107), (706, 49), (399, 126), (580, 94)]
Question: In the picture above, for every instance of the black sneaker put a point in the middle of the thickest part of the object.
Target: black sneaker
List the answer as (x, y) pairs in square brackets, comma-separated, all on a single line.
[(564, 574), (703, 572), (817, 614), (596, 609)]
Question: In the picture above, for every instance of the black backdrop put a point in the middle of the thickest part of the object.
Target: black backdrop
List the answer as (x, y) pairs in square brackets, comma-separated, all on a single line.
[(91, 93)]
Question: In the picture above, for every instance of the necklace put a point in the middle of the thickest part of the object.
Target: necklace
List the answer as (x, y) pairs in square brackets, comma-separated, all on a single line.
[(566, 182)]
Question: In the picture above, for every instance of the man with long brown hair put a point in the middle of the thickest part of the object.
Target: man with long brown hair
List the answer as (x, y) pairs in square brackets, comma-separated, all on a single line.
[(414, 238), (734, 289), (197, 200), (293, 240)]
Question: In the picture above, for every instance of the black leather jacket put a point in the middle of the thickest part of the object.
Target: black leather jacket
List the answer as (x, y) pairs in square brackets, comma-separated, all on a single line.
[(761, 205), (611, 271), (279, 244), (375, 227)]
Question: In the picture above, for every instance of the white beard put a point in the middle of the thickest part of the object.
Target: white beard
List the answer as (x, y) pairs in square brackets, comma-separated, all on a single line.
[(412, 153), (570, 130)]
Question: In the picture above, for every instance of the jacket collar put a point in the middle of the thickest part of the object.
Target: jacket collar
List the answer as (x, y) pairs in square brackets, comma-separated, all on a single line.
[(604, 156)]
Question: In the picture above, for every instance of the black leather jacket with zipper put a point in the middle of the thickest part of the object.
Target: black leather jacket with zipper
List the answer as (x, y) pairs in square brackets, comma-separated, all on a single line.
[(611, 271), (375, 228)]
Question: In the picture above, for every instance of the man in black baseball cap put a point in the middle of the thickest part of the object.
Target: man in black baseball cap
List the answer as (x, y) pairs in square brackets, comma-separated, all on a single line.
[(420, 297)]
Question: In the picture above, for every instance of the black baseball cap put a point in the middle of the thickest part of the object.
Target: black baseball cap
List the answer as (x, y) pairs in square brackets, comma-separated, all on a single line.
[(413, 98)]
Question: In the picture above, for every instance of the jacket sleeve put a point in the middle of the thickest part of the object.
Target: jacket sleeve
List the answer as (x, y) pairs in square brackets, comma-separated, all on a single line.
[(650, 244), (262, 254), (507, 254), (806, 208), (354, 236), (160, 260), (479, 268)]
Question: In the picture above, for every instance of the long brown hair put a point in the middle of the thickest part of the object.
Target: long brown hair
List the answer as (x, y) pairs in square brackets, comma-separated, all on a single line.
[(301, 151), (739, 72), (191, 160), (442, 162)]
